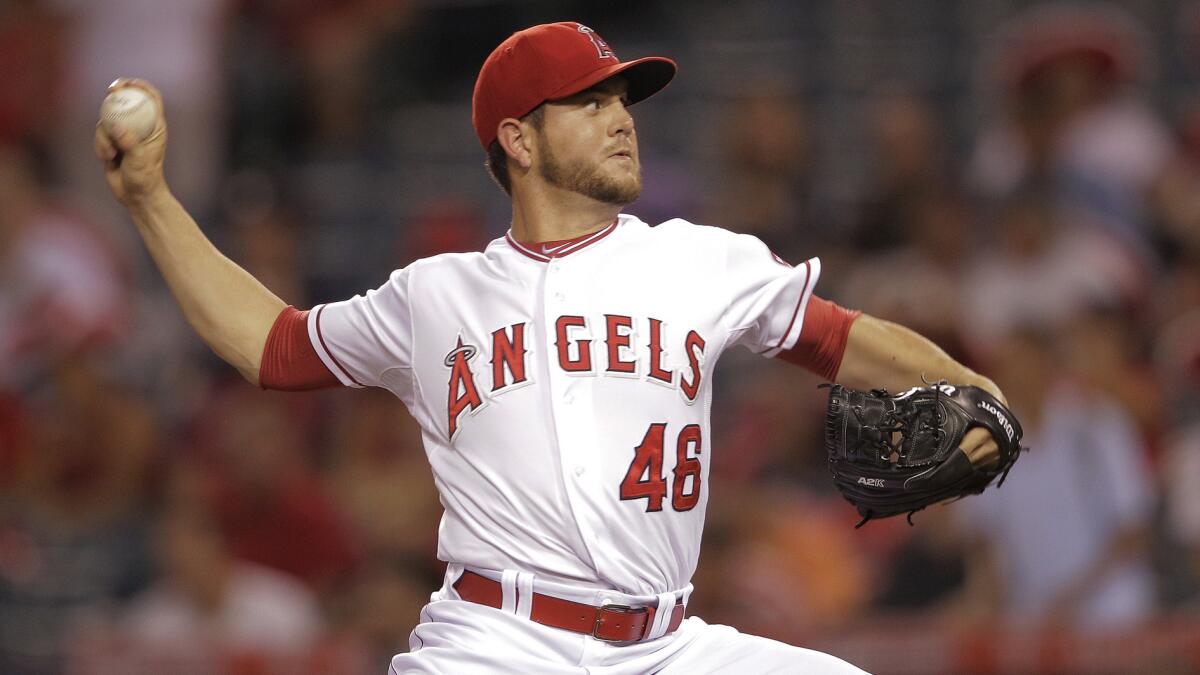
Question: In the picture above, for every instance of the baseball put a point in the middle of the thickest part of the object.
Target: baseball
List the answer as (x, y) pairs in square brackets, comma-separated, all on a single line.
[(132, 108)]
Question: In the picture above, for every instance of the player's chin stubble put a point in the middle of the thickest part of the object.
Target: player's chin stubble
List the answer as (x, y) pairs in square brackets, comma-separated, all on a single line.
[(588, 180)]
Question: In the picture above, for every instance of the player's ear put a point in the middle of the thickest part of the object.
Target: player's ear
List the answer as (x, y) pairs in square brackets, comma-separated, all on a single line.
[(516, 142)]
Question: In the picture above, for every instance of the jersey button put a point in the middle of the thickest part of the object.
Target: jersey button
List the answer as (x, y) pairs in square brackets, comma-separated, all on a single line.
[(559, 297), (579, 470), (569, 399)]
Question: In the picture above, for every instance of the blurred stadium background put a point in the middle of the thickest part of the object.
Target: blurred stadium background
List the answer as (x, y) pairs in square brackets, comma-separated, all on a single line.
[(1019, 181)]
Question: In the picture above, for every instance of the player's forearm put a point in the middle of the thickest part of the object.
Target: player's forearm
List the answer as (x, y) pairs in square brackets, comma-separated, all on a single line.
[(227, 306), (882, 354)]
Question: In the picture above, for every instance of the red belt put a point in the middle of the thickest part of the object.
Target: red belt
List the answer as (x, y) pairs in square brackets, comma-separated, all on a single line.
[(611, 623)]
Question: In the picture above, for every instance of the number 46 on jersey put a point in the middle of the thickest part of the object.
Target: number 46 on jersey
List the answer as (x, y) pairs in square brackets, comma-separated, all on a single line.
[(645, 478)]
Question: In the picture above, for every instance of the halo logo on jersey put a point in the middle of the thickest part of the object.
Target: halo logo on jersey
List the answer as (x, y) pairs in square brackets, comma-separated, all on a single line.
[(463, 392), (603, 51)]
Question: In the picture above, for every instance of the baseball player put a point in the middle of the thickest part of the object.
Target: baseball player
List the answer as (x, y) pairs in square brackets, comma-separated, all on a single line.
[(562, 377)]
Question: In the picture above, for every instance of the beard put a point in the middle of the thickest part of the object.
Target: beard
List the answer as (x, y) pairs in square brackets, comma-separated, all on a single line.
[(589, 181)]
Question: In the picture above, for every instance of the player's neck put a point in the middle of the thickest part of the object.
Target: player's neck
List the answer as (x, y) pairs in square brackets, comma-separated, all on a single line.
[(558, 216)]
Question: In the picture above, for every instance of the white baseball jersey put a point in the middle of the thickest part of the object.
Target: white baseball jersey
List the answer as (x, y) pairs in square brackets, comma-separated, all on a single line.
[(564, 396)]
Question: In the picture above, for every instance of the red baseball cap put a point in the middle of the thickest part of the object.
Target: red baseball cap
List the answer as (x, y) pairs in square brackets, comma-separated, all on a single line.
[(1037, 39), (552, 61)]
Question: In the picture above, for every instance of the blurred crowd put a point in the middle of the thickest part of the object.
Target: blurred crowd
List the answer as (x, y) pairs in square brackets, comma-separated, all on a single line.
[(1012, 182)]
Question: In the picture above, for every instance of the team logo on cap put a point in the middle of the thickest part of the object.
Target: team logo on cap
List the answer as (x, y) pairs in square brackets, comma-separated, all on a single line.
[(603, 51)]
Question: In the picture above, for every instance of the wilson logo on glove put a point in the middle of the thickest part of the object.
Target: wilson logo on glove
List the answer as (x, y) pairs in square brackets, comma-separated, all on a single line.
[(1008, 427)]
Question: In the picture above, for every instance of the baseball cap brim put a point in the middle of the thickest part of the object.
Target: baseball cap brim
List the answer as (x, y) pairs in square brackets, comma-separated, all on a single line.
[(646, 77)]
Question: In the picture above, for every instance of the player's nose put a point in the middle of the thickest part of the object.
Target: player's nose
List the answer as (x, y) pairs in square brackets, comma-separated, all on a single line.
[(622, 121)]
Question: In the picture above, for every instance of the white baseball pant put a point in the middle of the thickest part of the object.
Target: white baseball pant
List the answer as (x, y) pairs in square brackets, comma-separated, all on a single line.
[(457, 637)]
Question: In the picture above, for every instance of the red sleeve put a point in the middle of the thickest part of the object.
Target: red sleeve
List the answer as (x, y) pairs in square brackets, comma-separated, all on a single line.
[(289, 362), (823, 339)]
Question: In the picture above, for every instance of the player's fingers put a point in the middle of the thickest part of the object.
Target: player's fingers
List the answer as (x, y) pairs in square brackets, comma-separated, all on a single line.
[(122, 139), (974, 440), (989, 454), (980, 447), (105, 150)]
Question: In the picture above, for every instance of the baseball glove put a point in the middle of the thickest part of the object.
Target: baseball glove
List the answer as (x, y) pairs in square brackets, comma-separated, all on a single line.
[(893, 454)]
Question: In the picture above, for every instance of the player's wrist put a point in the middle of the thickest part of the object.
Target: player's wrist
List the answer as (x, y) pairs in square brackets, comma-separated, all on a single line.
[(143, 204)]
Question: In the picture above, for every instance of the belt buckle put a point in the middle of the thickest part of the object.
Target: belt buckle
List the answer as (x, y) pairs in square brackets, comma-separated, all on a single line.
[(620, 609)]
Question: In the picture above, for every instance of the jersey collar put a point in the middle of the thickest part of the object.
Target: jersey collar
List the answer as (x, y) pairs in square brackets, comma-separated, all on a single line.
[(546, 250)]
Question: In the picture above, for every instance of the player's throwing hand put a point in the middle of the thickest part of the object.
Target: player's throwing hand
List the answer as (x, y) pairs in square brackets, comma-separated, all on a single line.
[(133, 168)]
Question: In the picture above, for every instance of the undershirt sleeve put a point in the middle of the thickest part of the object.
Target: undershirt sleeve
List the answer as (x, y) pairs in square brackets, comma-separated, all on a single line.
[(822, 343), (289, 362)]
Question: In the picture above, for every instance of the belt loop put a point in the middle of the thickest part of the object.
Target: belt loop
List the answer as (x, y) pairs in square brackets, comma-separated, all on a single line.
[(508, 591), (454, 572), (524, 594), (662, 616)]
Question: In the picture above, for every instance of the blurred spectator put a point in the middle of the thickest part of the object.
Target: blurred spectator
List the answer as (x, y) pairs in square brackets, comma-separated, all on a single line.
[(264, 493), (1177, 356), (1073, 122), (317, 125), (32, 55), (1065, 538), (766, 158), (446, 224), (303, 68), (1177, 339), (71, 527), (1176, 199), (62, 286), (909, 171), (379, 475), (771, 579), (381, 606), (14, 439), (268, 235), (927, 571), (1182, 473), (759, 424), (209, 613), (1108, 359), (932, 264), (1043, 269)]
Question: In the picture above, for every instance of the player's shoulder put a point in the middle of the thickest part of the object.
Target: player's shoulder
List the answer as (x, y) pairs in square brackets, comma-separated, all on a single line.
[(678, 231), (436, 269), (445, 263), (449, 260), (685, 229)]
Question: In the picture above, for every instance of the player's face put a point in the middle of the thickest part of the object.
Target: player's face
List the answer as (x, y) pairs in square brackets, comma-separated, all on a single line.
[(588, 145)]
